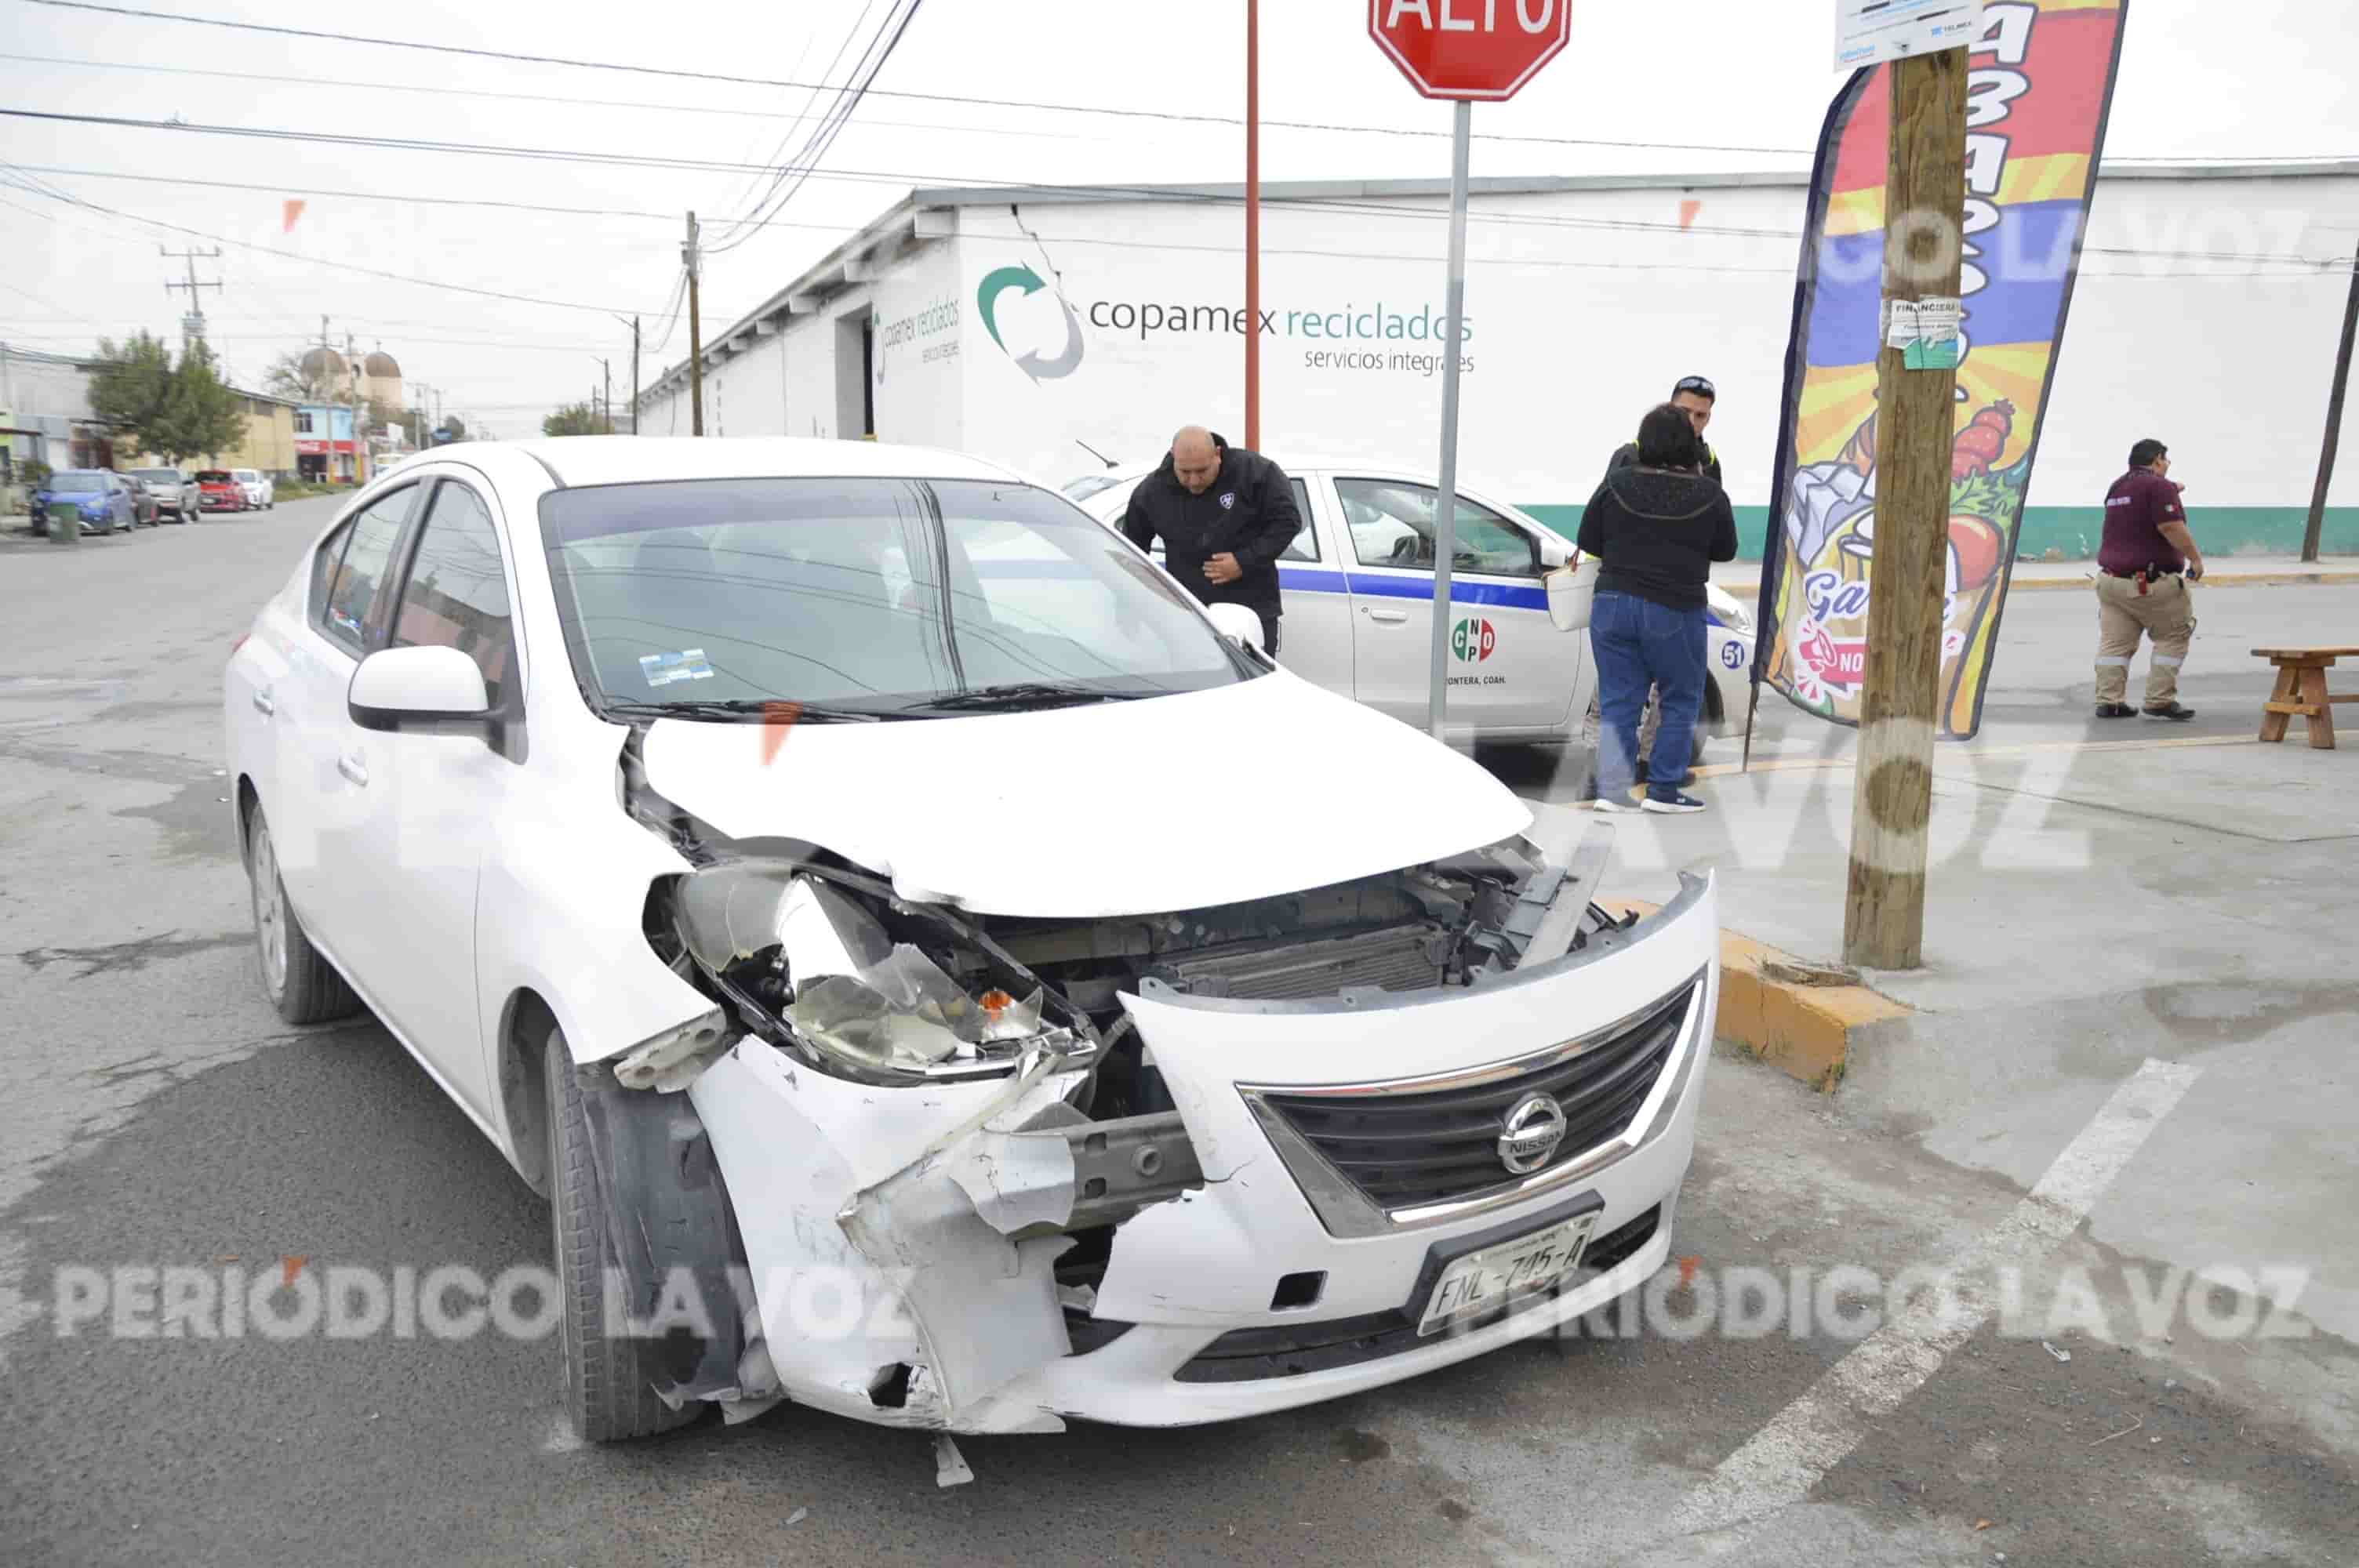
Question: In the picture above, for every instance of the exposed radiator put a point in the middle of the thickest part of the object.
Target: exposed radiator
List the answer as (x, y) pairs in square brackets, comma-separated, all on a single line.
[(1401, 958)]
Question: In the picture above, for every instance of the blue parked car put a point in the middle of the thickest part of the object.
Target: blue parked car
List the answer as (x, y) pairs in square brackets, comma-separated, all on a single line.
[(98, 500)]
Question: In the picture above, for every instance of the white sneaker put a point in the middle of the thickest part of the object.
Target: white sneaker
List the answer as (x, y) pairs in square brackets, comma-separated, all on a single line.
[(1607, 802)]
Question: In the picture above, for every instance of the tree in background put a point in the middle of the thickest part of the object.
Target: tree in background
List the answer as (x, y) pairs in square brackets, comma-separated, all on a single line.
[(132, 384), (169, 411), (203, 415), (577, 419)]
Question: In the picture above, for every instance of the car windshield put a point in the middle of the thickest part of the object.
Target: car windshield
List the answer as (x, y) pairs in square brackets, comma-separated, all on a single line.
[(157, 476), (899, 597), (76, 484), (214, 476), (1088, 485)]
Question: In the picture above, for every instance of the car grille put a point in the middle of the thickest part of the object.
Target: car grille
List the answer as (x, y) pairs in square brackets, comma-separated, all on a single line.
[(1408, 1150)]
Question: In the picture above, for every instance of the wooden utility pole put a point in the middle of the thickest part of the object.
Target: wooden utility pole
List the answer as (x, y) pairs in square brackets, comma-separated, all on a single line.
[(1892, 798), (2333, 421), (695, 338), (1252, 225)]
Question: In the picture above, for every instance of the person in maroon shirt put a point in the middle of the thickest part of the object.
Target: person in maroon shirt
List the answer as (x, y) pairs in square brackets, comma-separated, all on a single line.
[(2146, 568)]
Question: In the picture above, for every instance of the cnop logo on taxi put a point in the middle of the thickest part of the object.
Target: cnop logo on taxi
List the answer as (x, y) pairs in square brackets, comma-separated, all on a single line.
[(1473, 640)]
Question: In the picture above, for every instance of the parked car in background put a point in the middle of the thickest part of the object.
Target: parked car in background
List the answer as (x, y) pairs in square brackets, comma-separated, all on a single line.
[(260, 492), (144, 506), (218, 490), (98, 501), (1358, 593), (175, 492)]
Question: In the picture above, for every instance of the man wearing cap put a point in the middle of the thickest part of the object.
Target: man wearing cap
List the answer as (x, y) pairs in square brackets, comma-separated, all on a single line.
[(1694, 396), (2145, 564)]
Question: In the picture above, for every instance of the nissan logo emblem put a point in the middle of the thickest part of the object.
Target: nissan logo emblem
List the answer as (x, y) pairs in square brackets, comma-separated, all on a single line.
[(1528, 1138)]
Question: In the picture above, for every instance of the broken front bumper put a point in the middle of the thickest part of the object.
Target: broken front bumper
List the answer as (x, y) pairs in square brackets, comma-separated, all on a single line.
[(902, 1241)]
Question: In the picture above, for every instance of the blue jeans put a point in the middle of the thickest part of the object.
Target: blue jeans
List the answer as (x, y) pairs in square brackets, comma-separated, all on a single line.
[(1638, 644)]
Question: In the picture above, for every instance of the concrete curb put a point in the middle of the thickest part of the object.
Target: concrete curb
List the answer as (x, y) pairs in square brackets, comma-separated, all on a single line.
[(1752, 590), (1799, 1017)]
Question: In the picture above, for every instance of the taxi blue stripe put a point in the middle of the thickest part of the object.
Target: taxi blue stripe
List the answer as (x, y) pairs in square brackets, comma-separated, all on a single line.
[(1304, 579)]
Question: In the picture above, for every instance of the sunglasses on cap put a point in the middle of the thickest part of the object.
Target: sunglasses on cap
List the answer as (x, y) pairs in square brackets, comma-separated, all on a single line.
[(1696, 385)]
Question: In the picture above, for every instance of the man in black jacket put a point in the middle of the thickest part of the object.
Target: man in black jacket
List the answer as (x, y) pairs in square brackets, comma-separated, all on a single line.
[(1224, 515)]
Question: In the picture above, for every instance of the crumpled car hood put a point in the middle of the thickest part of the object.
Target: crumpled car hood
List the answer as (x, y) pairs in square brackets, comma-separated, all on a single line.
[(1270, 786)]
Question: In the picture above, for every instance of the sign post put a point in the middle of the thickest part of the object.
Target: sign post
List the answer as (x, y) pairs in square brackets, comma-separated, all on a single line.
[(1461, 50)]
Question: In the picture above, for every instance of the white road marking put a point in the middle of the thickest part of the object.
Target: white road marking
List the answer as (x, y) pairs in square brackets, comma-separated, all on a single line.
[(1778, 1464)]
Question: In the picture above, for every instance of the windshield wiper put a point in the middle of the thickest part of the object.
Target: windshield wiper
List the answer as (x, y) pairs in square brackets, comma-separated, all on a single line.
[(1015, 697), (744, 708)]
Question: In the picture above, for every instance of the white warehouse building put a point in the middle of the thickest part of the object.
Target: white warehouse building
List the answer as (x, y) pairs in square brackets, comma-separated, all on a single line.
[(1062, 329)]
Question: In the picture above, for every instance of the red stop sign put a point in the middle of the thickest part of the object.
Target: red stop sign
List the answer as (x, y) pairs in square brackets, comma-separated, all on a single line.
[(1470, 49)]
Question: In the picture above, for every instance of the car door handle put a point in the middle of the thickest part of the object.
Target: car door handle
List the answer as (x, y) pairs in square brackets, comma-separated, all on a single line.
[(352, 768), (1389, 617), (262, 703)]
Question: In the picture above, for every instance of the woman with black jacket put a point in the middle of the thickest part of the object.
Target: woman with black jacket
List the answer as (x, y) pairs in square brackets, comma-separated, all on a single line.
[(1657, 527)]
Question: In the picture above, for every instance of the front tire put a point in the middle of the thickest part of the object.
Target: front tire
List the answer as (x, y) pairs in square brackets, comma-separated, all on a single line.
[(304, 986), (608, 1393)]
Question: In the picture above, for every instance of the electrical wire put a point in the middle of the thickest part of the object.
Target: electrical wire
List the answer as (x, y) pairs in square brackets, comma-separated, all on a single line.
[(1124, 113), (324, 260), (815, 145), (811, 101), (1178, 196)]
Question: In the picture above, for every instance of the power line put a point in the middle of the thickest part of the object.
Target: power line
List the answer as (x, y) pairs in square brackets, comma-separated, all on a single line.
[(323, 261), (568, 99), (1134, 113), (903, 179), (822, 137)]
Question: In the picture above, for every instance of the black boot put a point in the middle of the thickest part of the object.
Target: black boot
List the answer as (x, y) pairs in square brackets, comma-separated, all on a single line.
[(2171, 711), (2116, 710)]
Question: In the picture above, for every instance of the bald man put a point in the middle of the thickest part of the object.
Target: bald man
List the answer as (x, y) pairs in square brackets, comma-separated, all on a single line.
[(1224, 515)]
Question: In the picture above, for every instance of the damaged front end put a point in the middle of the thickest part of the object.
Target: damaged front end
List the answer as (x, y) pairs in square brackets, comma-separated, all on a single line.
[(932, 1123)]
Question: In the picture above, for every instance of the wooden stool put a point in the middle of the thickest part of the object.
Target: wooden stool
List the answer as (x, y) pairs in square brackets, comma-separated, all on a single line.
[(2301, 689)]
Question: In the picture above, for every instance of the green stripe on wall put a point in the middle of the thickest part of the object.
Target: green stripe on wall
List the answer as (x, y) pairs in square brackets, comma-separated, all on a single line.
[(2073, 531)]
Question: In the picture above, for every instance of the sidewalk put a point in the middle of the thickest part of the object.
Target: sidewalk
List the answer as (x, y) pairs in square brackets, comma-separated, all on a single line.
[(2098, 896), (1743, 578)]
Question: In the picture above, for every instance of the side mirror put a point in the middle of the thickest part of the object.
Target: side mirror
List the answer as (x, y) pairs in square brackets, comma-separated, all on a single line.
[(1554, 553), (405, 688), (1237, 623)]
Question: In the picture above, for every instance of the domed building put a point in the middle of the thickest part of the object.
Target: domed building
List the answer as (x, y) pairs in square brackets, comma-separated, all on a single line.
[(326, 373), (381, 375)]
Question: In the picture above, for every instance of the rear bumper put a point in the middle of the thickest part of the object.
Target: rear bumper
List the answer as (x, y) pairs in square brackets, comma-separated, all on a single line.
[(931, 1199)]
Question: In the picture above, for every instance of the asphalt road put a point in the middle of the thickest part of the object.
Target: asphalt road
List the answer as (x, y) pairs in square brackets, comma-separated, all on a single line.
[(157, 1113)]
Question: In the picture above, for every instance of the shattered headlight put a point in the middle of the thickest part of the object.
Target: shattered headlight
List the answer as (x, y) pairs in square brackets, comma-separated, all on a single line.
[(842, 989)]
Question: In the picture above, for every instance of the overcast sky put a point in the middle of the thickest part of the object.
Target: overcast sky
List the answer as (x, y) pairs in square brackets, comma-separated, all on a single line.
[(1736, 83)]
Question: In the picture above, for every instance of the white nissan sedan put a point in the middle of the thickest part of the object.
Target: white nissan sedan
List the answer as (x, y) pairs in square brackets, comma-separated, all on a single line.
[(1358, 598), (937, 972)]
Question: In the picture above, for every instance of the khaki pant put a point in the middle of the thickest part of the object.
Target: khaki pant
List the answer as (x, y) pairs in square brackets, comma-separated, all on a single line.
[(2165, 612)]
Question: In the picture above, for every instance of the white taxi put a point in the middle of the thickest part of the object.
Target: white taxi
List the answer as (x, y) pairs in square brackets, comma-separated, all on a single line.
[(790, 855), (1358, 595)]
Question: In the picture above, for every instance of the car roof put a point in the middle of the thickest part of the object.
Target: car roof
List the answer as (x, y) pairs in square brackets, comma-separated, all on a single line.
[(630, 460)]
